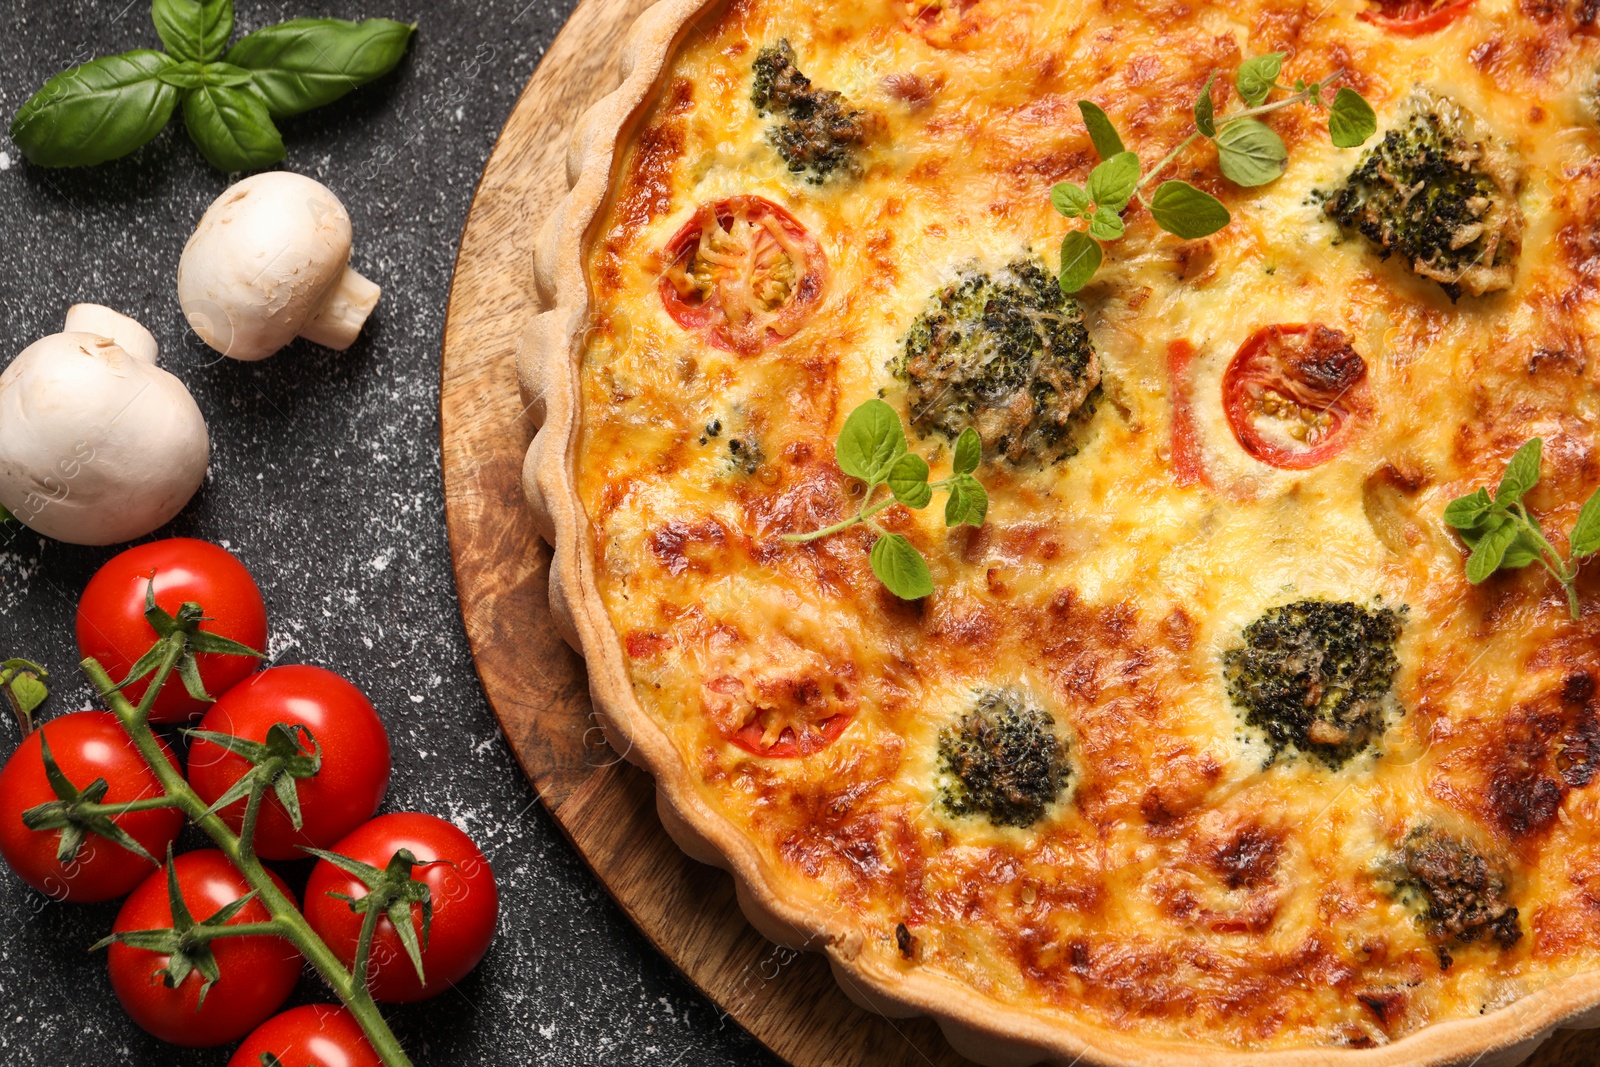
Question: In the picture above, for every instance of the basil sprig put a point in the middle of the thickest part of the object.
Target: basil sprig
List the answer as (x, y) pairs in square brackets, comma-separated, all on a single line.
[(112, 106), (1249, 153), (872, 447), (1504, 536)]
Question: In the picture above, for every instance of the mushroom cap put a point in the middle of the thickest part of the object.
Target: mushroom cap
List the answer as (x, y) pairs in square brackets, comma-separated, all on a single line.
[(264, 258), (96, 446)]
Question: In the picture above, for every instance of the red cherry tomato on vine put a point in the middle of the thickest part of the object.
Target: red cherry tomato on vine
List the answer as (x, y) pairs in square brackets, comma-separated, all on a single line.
[(466, 904), (258, 973), (315, 1035), (1412, 18), (355, 756), (743, 272), (86, 745), (1294, 393), (112, 628)]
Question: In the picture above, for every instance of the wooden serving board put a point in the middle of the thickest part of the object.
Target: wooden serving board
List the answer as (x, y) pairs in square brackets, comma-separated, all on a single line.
[(536, 685)]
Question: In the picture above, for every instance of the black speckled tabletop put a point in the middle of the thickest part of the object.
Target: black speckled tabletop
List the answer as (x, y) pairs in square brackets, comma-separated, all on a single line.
[(325, 480)]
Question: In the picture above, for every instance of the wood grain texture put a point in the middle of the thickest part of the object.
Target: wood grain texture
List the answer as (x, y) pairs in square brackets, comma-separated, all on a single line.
[(536, 684)]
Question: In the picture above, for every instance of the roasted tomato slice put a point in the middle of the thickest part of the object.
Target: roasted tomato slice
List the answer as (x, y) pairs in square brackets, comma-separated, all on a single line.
[(1414, 17), (743, 272), (791, 745), (1293, 393)]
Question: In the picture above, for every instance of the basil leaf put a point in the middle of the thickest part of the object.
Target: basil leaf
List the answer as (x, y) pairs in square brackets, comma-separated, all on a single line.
[(1106, 225), (1465, 512), (1256, 77), (1489, 553), (1351, 119), (226, 74), (195, 30), (1522, 473), (306, 63), (1071, 200), (900, 567), (189, 75), (1204, 110), (1104, 135), (1585, 540), (1080, 258), (969, 453), (968, 503), (908, 481), (1112, 183), (1250, 153), (1187, 212), (872, 439), (102, 110), (232, 128)]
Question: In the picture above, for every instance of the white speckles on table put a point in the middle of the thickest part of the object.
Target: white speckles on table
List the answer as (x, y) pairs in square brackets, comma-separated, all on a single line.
[(325, 479)]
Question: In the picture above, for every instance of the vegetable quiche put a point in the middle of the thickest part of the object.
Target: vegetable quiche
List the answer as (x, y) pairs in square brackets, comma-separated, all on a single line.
[(1235, 702)]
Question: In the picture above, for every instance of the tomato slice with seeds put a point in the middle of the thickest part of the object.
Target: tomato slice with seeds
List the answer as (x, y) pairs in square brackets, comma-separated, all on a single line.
[(1293, 393), (1412, 18), (744, 273)]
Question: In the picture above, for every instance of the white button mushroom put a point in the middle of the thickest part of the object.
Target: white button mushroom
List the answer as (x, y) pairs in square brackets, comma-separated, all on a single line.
[(98, 445), (269, 262)]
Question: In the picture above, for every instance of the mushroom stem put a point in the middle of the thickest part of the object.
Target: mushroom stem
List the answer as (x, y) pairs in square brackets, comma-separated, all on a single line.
[(101, 321), (338, 322)]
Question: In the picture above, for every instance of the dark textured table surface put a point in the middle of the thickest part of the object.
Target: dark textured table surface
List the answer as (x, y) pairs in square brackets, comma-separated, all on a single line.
[(325, 480)]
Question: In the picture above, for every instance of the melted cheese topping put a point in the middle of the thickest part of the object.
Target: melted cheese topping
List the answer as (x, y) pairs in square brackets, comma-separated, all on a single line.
[(1108, 586)]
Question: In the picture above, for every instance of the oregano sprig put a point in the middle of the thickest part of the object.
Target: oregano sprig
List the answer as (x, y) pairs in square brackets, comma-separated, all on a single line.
[(230, 99), (1248, 152), (22, 682), (872, 447), (1504, 536)]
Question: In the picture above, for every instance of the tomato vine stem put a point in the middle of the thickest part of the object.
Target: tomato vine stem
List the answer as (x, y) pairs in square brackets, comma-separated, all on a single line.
[(287, 921)]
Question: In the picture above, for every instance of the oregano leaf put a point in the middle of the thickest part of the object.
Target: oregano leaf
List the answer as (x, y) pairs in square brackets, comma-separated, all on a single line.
[(969, 452), (1351, 119), (1204, 110), (908, 481), (1111, 184), (1187, 212), (872, 439), (900, 567), (1106, 225), (1071, 200), (1080, 258), (1491, 551), (1250, 154), (1585, 540), (1522, 473), (1106, 140), (1257, 76)]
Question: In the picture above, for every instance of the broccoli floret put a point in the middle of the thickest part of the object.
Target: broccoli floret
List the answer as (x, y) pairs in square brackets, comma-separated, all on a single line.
[(1441, 197), (1316, 675), (1002, 760), (820, 132), (1007, 353), (1457, 894)]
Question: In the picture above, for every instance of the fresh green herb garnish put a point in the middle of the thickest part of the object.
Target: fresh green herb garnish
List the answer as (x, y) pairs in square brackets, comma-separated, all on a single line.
[(111, 106), (1503, 536), (1248, 151), (872, 447), (22, 681)]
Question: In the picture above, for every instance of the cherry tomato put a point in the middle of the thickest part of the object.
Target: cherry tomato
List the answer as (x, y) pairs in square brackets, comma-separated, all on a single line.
[(1412, 18), (86, 745), (315, 1035), (112, 628), (355, 756), (1293, 393), (258, 973), (466, 904), (744, 273)]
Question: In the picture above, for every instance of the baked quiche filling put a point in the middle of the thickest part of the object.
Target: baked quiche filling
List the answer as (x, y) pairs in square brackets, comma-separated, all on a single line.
[(1204, 733)]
